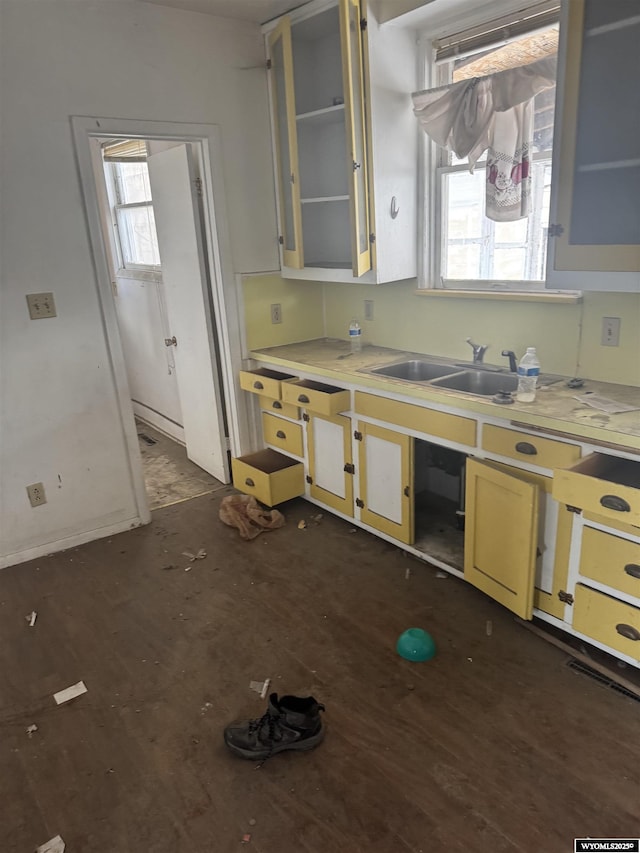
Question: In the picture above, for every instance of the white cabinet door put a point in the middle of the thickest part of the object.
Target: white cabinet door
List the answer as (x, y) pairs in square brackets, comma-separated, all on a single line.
[(329, 461)]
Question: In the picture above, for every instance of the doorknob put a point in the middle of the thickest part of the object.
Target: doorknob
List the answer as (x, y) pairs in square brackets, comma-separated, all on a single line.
[(171, 342)]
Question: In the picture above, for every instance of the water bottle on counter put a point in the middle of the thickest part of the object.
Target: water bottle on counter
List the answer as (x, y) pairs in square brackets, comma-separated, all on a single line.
[(355, 336), (528, 372)]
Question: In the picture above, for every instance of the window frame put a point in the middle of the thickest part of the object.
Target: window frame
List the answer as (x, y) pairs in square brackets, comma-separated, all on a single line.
[(432, 167), (125, 268)]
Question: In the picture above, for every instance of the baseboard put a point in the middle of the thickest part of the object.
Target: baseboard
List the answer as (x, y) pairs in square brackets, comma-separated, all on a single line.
[(159, 422)]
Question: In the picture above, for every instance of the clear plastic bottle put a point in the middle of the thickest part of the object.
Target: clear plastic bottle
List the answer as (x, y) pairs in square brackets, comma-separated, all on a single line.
[(528, 372), (355, 336)]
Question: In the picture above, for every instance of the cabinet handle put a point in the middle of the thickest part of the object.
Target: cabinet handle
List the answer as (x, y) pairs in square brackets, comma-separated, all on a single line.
[(277, 404), (280, 434), (633, 569), (249, 482), (406, 492), (628, 631), (258, 385), (527, 448), (303, 398), (616, 503)]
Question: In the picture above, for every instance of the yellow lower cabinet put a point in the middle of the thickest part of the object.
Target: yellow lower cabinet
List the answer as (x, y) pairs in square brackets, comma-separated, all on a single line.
[(269, 476), (501, 534), (608, 620), (330, 462), (282, 434), (610, 560), (386, 497)]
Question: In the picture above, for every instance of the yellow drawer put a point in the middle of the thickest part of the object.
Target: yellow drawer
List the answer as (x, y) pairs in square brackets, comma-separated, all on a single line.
[(610, 560), (545, 452), (317, 397), (264, 381), (269, 476), (606, 485), (280, 408), (607, 620), (441, 424), (282, 434)]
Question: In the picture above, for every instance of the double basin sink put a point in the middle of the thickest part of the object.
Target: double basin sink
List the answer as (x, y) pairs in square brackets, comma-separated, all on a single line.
[(484, 381)]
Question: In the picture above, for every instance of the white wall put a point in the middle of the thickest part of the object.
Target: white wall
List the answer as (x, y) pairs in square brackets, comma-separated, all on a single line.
[(60, 421)]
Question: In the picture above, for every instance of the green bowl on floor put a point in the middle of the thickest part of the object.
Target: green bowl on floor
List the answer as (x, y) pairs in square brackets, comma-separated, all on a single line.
[(416, 645)]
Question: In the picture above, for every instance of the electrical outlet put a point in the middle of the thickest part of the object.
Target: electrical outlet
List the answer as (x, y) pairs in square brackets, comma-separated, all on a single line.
[(41, 305), (368, 309), (610, 332), (276, 313), (36, 494)]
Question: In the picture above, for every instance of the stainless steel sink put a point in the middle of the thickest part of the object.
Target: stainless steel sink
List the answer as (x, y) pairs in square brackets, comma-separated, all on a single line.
[(479, 382), (415, 370)]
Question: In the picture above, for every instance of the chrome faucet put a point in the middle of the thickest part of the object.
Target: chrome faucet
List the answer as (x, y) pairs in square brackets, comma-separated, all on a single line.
[(478, 351)]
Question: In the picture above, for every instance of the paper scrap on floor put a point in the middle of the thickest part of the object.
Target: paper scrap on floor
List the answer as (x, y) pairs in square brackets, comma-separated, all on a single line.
[(596, 401), (54, 845), (70, 693)]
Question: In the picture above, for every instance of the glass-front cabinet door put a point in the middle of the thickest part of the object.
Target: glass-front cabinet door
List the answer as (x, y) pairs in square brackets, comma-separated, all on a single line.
[(284, 129), (319, 122), (598, 217)]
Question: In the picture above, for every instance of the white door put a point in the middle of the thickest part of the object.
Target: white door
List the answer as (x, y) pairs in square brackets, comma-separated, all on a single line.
[(188, 303)]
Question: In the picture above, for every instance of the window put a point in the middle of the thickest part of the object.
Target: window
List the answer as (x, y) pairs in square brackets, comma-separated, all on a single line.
[(130, 190), (473, 251)]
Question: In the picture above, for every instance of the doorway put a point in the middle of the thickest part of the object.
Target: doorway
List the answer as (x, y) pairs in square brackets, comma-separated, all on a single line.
[(157, 244)]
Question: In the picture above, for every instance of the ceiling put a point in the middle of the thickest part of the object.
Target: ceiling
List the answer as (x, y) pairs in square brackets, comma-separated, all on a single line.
[(258, 11)]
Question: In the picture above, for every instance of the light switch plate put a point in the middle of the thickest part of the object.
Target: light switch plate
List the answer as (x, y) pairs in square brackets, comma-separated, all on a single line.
[(41, 305), (610, 332)]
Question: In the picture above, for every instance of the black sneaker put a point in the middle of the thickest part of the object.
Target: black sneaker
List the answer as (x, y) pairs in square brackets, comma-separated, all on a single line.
[(288, 723)]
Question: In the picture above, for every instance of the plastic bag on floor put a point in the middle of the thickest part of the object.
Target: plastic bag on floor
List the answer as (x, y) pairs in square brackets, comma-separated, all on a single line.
[(244, 512)]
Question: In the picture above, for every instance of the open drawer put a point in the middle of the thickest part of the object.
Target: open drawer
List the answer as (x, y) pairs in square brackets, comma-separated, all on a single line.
[(316, 396), (269, 476), (264, 381), (607, 485)]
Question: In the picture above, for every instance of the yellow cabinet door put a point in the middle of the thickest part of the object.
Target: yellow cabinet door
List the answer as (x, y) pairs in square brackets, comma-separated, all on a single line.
[(286, 142), (386, 481), (330, 461), (501, 533), (352, 71)]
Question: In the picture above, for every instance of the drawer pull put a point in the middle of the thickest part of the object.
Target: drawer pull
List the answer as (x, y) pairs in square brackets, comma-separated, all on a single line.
[(615, 503), (303, 398), (633, 569), (277, 404), (527, 448), (258, 385), (280, 434), (628, 631), (249, 482)]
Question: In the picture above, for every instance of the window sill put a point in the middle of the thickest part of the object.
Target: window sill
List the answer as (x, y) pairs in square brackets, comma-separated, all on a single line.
[(564, 298)]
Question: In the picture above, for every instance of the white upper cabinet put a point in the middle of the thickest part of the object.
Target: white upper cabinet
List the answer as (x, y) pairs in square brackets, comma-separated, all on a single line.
[(345, 144), (596, 192)]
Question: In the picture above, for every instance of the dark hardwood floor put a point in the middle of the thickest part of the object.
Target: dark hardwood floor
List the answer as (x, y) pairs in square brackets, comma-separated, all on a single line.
[(494, 746)]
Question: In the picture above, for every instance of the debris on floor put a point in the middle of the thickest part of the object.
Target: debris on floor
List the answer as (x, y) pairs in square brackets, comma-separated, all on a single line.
[(317, 518), (192, 557), (54, 845), (246, 838), (252, 821), (169, 568), (70, 693), (31, 729), (407, 574), (302, 524), (244, 512), (489, 627), (260, 687), (31, 618), (442, 575)]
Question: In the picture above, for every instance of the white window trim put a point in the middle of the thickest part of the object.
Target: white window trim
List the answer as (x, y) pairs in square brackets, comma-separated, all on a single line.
[(429, 193)]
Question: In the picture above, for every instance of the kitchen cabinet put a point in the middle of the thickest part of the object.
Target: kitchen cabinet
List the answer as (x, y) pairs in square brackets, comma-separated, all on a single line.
[(341, 124), (386, 478), (268, 476), (595, 208), (330, 461)]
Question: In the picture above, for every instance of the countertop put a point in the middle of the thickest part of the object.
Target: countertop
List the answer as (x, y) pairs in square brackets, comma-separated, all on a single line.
[(554, 409)]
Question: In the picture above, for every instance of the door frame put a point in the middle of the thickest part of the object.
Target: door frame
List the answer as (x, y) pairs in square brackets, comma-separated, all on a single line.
[(224, 309)]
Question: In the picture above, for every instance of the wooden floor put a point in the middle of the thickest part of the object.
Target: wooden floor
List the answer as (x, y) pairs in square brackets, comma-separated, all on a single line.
[(494, 746)]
